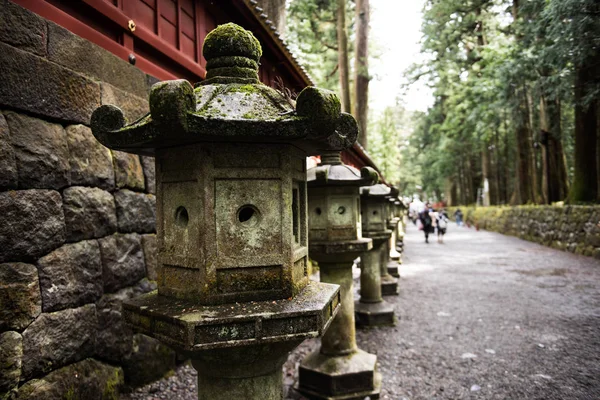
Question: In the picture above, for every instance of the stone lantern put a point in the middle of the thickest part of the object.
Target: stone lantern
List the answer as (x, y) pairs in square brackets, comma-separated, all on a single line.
[(338, 370), (392, 256), (371, 309), (395, 255), (233, 289), (401, 211), (389, 284)]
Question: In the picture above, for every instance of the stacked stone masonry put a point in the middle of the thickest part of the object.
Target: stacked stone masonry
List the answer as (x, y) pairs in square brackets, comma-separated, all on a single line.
[(77, 230), (570, 228)]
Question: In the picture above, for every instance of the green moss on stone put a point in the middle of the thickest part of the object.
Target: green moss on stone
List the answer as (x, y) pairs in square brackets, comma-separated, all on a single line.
[(111, 388), (248, 89), (319, 104), (231, 40)]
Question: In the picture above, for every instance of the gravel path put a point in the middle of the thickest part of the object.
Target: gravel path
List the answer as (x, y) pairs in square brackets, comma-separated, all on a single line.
[(482, 316)]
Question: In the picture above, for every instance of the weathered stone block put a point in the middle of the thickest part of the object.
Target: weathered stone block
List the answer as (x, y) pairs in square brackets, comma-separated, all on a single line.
[(89, 213), (136, 212), (8, 162), (11, 351), (57, 339), (122, 261), (149, 361), (128, 170), (71, 276), (20, 301), (22, 28), (114, 339), (41, 152), (51, 90), (150, 255), (133, 107), (32, 224), (91, 163), (349, 376), (149, 168), (83, 56), (86, 380)]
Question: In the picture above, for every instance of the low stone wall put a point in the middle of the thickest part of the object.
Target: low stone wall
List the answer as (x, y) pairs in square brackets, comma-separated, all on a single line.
[(570, 228), (77, 221)]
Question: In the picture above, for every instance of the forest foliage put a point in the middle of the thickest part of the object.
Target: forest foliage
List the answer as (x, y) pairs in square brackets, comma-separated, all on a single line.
[(512, 81), (515, 119)]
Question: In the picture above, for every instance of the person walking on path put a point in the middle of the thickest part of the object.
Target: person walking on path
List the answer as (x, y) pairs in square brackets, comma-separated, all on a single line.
[(442, 225), (458, 216), (426, 219)]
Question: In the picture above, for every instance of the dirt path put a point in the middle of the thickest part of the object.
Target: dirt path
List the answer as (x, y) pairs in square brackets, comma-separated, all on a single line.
[(482, 316)]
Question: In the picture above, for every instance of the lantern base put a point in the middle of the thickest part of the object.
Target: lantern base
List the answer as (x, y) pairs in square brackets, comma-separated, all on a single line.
[(389, 285), (191, 328), (392, 268), (346, 377), (250, 372), (374, 314)]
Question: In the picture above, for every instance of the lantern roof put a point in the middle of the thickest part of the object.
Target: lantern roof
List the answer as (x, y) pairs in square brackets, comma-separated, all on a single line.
[(332, 172), (379, 191), (230, 105)]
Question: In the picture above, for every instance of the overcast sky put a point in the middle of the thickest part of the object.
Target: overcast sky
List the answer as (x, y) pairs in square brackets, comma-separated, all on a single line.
[(395, 33)]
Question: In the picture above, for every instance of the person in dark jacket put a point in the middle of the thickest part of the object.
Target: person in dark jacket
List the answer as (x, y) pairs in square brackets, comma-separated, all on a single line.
[(458, 216), (426, 219)]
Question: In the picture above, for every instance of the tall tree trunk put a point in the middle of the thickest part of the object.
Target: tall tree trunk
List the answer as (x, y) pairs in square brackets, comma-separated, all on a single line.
[(342, 39), (471, 190), (525, 186), (533, 165), (507, 175), (585, 182), (462, 186), (448, 191), (361, 69), (496, 156), (555, 182), (453, 194), (486, 174)]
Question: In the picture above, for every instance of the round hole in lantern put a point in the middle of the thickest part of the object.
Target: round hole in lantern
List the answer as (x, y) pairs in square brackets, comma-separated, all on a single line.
[(181, 217), (248, 215), (318, 211), (341, 210)]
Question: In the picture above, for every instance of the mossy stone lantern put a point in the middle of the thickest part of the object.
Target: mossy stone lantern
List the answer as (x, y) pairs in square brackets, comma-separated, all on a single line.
[(395, 255), (402, 210), (339, 369), (371, 309), (233, 291), (392, 256)]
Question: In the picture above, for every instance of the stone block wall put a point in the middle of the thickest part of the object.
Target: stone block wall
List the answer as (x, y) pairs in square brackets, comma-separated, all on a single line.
[(570, 228), (77, 220)]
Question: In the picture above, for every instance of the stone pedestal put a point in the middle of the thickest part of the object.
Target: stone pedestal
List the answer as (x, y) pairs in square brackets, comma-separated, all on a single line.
[(338, 370), (255, 373), (371, 309), (389, 284), (394, 256)]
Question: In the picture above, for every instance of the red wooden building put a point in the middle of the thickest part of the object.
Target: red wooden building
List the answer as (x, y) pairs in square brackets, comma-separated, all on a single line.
[(164, 38)]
